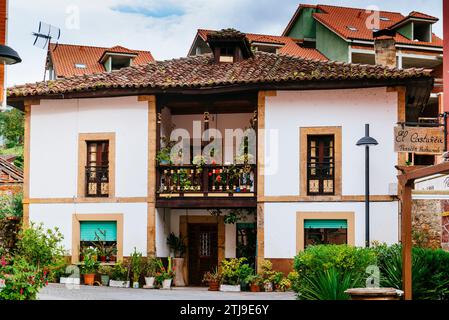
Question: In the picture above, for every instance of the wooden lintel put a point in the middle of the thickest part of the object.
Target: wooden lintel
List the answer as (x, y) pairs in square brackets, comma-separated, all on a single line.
[(32, 102), (151, 98)]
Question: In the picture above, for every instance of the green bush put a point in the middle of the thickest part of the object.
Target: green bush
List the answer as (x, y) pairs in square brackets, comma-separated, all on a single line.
[(11, 206), (430, 271), (38, 254), (339, 265), (233, 271)]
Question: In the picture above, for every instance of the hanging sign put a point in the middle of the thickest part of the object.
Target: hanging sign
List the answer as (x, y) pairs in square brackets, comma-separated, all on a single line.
[(419, 140)]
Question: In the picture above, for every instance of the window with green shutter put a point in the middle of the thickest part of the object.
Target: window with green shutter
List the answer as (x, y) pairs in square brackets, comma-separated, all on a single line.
[(319, 231), (106, 230)]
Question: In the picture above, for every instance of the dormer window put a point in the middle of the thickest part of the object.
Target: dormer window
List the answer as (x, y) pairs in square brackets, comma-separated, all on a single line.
[(113, 61), (229, 46), (227, 54), (422, 31)]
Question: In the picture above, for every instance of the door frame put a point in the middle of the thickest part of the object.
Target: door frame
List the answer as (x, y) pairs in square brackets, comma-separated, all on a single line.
[(183, 232)]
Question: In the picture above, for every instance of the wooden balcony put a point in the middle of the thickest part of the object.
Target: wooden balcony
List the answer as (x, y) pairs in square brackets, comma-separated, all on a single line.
[(206, 186)]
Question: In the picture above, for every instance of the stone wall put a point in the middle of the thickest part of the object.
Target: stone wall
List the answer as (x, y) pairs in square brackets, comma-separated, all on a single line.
[(430, 223)]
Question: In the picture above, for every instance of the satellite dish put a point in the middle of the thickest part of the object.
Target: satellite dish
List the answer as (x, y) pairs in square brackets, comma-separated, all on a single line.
[(45, 35)]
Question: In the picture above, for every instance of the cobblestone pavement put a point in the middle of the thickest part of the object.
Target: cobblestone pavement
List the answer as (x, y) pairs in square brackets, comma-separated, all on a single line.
[(63, 292)]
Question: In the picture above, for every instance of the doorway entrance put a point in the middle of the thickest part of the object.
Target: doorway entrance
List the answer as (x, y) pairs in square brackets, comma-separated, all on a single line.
[(203, 250)]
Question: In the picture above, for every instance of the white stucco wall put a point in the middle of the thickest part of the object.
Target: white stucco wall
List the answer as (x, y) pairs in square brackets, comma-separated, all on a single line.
[(60, 215), (280, 223), (55, 125), (287, 112)]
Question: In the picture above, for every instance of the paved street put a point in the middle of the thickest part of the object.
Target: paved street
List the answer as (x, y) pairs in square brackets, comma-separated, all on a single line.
[(61, 292)]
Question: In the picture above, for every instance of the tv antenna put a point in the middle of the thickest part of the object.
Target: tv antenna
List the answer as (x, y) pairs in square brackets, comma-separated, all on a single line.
[(46, 34)]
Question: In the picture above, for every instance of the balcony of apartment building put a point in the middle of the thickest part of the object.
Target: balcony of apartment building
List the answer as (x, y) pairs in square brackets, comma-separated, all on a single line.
[(206, 151)]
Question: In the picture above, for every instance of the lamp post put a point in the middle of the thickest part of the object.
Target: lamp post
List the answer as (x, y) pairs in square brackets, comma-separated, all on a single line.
[(8, 56), (367, 141)]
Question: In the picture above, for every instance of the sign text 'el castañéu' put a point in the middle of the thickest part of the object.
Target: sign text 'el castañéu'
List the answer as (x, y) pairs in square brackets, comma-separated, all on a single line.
[(419, 140)]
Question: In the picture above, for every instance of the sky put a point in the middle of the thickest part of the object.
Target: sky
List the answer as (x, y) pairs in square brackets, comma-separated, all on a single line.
[(165, 27)]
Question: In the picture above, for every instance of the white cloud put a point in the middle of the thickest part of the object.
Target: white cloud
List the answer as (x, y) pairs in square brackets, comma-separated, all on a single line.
[(168, 36)]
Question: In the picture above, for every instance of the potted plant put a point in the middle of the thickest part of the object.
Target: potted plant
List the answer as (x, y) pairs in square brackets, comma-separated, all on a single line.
[(105, 273), (136, 266), (101, 245), (245, 271), (267, 275), (89, 269), (152, 267), (213, 279), (165, 277), (230, 270), (119, 276), (254, 281), (177, 249)]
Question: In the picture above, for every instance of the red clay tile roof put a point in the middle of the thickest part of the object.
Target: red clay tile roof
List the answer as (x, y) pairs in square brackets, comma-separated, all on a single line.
[(201, 72), (339, 19), (9, 173), (290, 46), (65, 56)]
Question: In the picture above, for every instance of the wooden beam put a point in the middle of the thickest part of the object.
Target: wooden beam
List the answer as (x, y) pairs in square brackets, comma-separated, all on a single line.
[(406, 239), (151, 177), (442, 168)]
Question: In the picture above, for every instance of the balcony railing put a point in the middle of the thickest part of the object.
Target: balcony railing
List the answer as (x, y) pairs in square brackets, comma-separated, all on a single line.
[(207, 180), (97, 181)]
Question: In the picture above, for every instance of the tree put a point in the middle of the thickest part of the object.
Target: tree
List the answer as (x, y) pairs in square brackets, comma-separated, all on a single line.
[(12, 127)]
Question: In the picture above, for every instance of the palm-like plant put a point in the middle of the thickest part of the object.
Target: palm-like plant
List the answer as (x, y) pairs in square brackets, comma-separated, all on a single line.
[(328, 285)]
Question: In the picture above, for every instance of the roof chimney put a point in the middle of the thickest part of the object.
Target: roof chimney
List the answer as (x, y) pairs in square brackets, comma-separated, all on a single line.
[(229, 46), (385, 51)]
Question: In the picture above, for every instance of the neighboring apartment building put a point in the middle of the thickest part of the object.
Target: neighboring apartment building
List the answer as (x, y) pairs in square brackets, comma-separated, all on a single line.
[(66, 60), (347, 34), (91, 144)]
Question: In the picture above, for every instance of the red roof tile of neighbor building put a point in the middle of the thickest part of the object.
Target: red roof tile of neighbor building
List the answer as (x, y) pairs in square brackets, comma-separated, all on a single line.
[(9, 173), (289, 45), (202, 72), (65, 57), (350, 23)]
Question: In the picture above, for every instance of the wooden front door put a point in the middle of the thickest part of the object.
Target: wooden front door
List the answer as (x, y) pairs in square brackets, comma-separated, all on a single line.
[(203, 251)]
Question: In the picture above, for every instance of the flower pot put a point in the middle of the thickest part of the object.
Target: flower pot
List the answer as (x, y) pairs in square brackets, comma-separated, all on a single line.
[(149, 282), (89, 279), (166, 284), (69, 280), (118, 284), (268, 286), (104, 279), (254, 287), (179, 277), (103, 258), (230, 288), (136, 285), (113, 258), (214, 286)]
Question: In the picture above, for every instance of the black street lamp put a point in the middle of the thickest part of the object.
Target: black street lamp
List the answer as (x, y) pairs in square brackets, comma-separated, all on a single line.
[(8, 55), (367, 141)]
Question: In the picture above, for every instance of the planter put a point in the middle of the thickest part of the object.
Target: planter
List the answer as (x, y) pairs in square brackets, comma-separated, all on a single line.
[(104, 279), (113, 258), (149, 282), (69, 280), (118, 284), (254, 288), (136, 285), (230, 288), (179, 277), (214, 286), (89, 279), (375, 294), (268, 287), (103, 258), (166, 284)]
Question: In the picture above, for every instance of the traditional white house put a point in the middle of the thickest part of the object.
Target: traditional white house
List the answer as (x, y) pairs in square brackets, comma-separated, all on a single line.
[(91, 144)]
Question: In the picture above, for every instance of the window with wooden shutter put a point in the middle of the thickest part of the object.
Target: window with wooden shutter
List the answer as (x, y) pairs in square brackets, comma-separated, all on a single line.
[(97, 169), (320, 165)]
